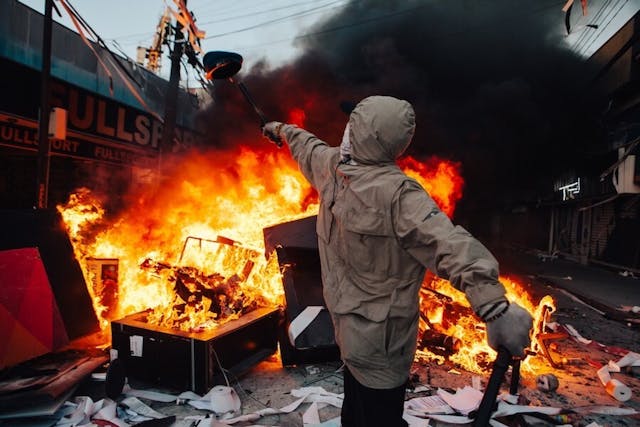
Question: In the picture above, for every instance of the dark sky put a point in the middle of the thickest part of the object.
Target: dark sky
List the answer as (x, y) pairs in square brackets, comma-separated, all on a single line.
[(492, 82)]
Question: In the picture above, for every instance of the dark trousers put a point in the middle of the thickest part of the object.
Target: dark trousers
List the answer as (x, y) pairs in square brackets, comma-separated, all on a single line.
[(369, 407)]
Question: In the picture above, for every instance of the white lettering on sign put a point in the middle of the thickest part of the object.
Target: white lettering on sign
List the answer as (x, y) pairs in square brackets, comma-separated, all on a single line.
[(569, 191)]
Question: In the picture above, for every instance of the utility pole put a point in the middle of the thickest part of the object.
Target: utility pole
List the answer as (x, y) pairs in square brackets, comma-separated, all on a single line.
[(171, 100), (42, 178)]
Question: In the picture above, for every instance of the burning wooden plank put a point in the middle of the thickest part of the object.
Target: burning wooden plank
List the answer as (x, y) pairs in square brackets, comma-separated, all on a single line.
[(207, 297)]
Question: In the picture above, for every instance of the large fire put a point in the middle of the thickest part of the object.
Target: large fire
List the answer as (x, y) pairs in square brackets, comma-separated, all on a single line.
[(190, 250)]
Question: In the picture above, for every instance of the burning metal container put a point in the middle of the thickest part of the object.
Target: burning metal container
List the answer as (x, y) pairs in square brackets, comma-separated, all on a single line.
[(194, 360), (212, 324)]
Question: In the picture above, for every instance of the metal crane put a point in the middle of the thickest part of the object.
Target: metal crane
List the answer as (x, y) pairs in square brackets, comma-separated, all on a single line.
[(151, 57)]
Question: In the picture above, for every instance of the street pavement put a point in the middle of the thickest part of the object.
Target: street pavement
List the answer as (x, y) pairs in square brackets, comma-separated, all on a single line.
[(268, 384), (615, 293)]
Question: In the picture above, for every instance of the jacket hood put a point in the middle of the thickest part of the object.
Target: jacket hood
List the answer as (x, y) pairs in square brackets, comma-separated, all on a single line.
[(381, 128)]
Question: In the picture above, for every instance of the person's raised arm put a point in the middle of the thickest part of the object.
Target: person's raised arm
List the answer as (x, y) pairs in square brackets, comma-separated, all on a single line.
[(311, 153)]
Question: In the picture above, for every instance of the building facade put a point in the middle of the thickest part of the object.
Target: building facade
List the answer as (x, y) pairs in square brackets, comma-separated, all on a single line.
[(592, 213), (109, 108)]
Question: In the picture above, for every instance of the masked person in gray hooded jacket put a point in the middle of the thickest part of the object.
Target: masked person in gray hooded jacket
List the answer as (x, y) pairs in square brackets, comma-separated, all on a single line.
[(378, 231)]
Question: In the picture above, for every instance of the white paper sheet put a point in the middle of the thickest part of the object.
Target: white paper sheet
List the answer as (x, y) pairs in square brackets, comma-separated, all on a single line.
[(611, 410), (576, 335), (464, 400), (505, 409), (136, 405), (451, 419), (311, 415), (135, 345), (145, 394), (86, 409), (629, 359), (429, 405), (414, 421), (305, 394), (333, 422), (109, 413)]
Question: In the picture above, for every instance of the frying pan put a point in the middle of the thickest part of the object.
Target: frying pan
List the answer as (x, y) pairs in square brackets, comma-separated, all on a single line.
[(221, 65)]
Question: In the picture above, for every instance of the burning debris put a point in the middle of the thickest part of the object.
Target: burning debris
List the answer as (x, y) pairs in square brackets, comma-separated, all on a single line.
[(202, 301), (214, 280), (215, 308), (450, 331), (218, 289), (252, 188)]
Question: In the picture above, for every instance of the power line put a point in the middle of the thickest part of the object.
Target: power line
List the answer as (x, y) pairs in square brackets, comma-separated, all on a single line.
[(261, 12), (199, 16), (392, 15), (598, 19), (231, 7), (586, 49), (137, 35), (262, 24), (585, 35), (342, 27)]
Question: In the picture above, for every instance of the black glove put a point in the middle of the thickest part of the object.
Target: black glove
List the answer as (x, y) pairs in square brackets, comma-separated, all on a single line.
[(510, 330), (272, 131)]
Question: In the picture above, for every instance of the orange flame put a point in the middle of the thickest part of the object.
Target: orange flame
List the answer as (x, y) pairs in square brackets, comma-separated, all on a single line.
[(453, 318), (297, 117), (234, 194), (225, 199), (441, 178)]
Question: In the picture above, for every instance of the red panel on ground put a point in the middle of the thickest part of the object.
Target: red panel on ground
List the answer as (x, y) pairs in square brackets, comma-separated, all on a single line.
[(30, 322)]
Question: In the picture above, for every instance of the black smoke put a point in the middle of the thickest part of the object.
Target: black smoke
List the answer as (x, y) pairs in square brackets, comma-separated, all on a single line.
[(493, 83)]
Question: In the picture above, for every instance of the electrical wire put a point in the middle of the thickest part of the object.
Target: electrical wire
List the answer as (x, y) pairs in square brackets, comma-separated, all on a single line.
[(586, 49), (328, 6), (603, 27), (72, 11), (242, 388), (611, 15), (320, 8), (239, 386), (262, 12), (231, 7), (200, 24), (387, 16), (215, 353), (273, 21), (119, 68), (593, 19), (597, 19)]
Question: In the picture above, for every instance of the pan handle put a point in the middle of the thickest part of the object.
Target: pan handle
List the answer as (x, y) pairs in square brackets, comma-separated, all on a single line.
[(249, 98), (500, 367)]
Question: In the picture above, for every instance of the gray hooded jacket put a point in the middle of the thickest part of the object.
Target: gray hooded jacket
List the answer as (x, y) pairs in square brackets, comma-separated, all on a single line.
[(378, 232)]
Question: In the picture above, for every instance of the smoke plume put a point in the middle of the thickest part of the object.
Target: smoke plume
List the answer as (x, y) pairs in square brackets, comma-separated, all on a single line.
[(493, 84)]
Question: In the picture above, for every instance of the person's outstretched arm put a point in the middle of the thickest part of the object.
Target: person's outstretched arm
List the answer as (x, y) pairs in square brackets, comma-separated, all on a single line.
[(314, 156), (454, 254)]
